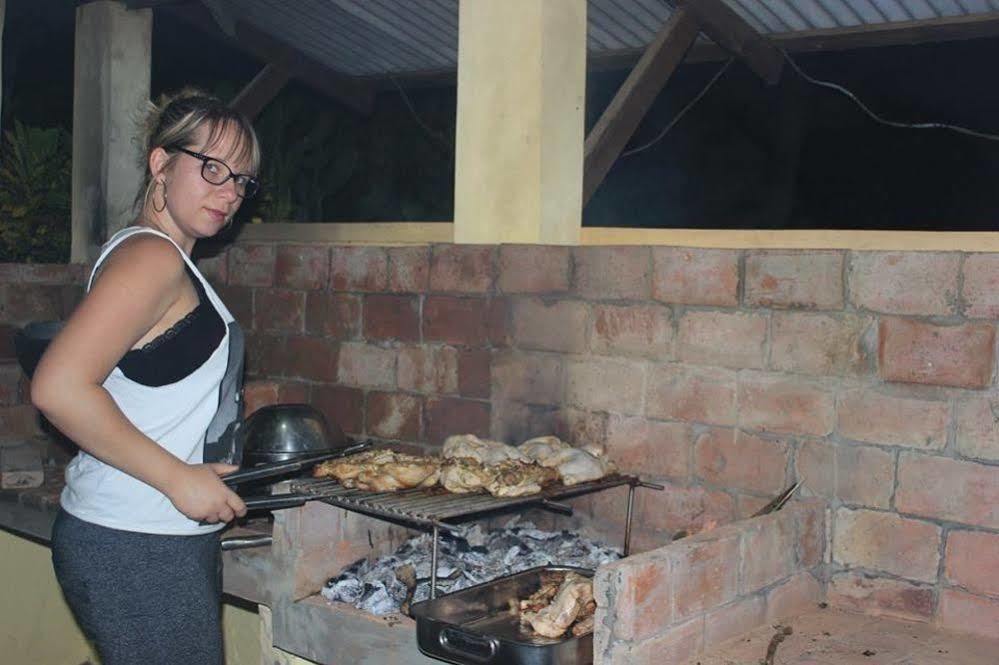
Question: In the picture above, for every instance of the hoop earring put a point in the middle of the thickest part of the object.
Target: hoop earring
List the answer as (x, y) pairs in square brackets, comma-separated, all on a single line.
[(228, 222), (162, 207)]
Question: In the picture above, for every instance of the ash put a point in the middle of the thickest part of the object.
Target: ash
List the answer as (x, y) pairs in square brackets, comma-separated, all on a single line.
[(464, 559)]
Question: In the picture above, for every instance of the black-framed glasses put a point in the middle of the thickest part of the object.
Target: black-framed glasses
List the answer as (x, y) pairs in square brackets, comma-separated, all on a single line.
[(217, 172)]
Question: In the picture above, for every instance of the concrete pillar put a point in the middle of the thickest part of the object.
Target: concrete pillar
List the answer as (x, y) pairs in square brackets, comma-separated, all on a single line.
[(520, 126), (110, 89), (3, 10)]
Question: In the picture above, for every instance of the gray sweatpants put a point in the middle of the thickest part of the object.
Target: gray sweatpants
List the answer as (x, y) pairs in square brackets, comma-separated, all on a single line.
[(142, 598)]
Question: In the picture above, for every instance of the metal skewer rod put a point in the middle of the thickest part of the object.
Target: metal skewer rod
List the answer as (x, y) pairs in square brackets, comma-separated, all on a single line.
[(627, 522), (433, 564)]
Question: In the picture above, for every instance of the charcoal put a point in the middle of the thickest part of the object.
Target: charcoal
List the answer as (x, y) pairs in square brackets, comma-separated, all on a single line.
[(469, 557)]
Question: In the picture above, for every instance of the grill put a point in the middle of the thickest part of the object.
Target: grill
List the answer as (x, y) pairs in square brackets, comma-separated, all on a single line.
[(433, 510)]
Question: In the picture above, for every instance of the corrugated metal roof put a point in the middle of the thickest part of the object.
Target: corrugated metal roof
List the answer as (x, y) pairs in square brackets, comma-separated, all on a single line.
[(378, 37)]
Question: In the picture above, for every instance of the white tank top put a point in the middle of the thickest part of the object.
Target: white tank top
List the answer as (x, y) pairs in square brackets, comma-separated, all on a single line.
[(187, 418)]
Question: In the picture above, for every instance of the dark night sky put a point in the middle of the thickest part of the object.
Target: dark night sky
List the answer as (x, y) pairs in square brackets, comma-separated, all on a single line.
[(725, 165)]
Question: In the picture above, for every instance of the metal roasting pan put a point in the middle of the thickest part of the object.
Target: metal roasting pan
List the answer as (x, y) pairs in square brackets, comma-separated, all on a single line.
[(475, 626)]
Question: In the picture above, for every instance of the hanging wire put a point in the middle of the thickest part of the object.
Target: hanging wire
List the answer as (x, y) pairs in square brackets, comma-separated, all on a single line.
[(683, 111), (416, 116), (889, 123)]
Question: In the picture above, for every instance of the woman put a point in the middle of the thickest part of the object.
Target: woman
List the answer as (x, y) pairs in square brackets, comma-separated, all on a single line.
[(145, 378)]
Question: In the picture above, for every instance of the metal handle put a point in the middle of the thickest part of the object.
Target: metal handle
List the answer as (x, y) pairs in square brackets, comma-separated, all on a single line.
[(268, 470), (243, 542), (557, 507), (467, 645), (276, 501)]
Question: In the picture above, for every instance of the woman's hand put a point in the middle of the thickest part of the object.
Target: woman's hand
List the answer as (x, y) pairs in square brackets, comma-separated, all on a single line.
[(198, 492)]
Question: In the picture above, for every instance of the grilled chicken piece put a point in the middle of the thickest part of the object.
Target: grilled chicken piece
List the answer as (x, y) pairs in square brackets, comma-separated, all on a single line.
[(463, 475), (519, 479), (348, 467), (542, 448), (550, 584), (387, 471), (552, 621), (483, 451), (578, 466), (583, 626)]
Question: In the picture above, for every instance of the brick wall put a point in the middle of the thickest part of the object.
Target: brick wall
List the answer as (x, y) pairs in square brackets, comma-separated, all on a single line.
[(726, 374), (671, 604)]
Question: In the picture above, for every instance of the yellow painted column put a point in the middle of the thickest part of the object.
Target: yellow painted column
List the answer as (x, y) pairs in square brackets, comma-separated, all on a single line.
[(520, 126)]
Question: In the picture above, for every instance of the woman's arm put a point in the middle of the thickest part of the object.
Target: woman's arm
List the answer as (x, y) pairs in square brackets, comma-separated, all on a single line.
[(138, 285)]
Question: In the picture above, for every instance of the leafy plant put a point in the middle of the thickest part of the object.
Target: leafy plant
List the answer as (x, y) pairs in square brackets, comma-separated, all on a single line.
[(35, 183)]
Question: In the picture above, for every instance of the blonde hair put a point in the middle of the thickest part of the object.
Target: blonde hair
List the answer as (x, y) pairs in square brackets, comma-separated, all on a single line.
[(175, 121)]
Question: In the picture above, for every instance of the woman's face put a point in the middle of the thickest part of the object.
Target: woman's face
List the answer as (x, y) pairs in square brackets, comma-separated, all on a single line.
[(196, 207)]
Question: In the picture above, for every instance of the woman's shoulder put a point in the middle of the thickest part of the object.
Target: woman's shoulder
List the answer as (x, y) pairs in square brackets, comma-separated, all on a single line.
[(145, 256)]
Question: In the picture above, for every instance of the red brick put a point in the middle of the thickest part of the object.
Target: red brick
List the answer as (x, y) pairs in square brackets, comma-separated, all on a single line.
[(972, 561), (747, 505), (336, 315), (582, 428), (821, 344), (693, 394), (456, 320), (920, 283), (461, 268), (550, 325), (366, 365), (681, 508), (515, 422), (810, 517), (946, 489), (533, 269), (239, 301), (676, 646), (980, 289), (642, 605), (302, 266), (884, 541), (978, 427), (688, 276), (858, 592), (795, 279), (448, 415), (781, 404), (389, 317), (769, 546), (265, 355), (475, 373), (605, 384), (20, 421), (7, 353), (10, 384), (499, 324), (279, 310), (251, 265), (343, 406), (429, 369), (964, 613), (734, 459), (735, 619), (527, 377), (857, 475), (703, 575), (25, 303), (874, 417), (915, 352), (613, 273), (798, 595), (393, 415), (257, 394), (650, 448), (312, 358), (358, 269), (75, 273), (70, 296), (214, 268), (721, 338), (408, 269), (632, 330)]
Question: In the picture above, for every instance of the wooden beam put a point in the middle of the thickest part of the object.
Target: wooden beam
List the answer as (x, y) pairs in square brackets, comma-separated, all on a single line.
[(621, 117), (351, 91), (260, 91), (732, 33)]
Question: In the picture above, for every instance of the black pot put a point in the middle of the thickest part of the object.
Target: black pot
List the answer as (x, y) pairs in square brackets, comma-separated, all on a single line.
[(31, 341)]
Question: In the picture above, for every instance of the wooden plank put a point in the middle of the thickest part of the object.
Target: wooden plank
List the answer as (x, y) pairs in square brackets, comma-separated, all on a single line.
[(21, 467), (351, 91), (732, 33), (617, 124), (260, 91)]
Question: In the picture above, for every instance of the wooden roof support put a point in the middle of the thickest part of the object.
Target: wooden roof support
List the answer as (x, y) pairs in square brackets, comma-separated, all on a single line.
[(732, 33), (260, 91), (621, 117)]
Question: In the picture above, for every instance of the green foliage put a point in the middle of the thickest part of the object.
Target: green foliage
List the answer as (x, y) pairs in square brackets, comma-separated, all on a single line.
[(35, 184)]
